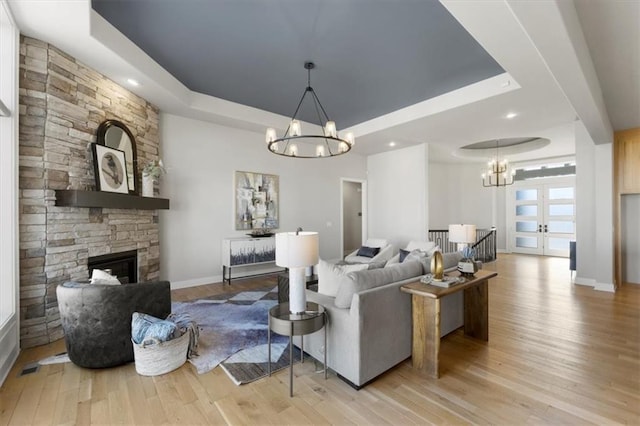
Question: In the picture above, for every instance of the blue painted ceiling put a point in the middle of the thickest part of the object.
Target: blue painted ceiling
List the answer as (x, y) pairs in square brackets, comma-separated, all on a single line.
[(372, 56)]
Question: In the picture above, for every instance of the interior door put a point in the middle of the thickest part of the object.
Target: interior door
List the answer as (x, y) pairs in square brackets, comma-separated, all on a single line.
[(352, 215), (542, 217), (559, 219), (528, 220)]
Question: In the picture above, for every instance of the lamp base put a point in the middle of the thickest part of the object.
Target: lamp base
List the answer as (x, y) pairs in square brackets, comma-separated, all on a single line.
[(297, 291)]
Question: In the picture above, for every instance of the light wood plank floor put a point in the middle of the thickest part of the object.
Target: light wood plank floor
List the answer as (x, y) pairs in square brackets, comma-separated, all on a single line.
[(558, 353)]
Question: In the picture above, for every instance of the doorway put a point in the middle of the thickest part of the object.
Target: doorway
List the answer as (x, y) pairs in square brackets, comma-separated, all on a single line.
[(541, 217), (353, 215)]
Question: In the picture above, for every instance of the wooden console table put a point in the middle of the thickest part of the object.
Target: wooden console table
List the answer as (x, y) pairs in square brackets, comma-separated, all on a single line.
[(425, 303)]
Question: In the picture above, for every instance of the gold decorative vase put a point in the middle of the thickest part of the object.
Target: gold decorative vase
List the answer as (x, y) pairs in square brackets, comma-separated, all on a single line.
[(437, 266)]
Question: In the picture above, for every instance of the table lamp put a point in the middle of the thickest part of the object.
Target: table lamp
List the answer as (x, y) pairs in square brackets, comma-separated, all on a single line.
[(296, 251), (464, 235)]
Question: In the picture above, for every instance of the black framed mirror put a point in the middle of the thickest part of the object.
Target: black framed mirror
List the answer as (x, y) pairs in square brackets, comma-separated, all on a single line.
[(115, 134)]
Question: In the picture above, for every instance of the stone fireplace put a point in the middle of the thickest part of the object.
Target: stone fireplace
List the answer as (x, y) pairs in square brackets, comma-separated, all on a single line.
[(62, 103)]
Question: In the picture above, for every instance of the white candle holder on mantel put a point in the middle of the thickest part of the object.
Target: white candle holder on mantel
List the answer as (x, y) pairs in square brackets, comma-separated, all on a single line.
[(150, 175), (147, 185)]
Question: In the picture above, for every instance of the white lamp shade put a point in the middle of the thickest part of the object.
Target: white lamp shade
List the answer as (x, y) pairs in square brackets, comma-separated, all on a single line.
[(462, 233), (296, 251)]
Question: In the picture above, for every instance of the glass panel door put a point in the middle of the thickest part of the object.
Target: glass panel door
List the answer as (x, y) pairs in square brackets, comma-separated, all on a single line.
[(527, 210), (560, 219), (542, 217)]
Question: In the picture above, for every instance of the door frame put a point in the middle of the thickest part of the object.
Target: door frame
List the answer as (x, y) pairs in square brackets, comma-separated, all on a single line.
[(510, 204), (363, 184)]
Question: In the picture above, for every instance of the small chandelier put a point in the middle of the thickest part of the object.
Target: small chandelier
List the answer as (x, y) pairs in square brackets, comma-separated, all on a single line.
[(498, 173), (296, 144)]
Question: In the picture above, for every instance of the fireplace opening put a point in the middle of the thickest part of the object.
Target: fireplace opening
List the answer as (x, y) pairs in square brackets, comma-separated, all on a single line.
[(123, 265)]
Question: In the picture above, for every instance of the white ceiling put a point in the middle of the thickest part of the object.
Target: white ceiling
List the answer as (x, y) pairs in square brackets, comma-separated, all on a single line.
[(612, 32), (550, 79)]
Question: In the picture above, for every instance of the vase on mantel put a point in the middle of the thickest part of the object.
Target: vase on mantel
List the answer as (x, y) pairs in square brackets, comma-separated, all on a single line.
[(147, 185)]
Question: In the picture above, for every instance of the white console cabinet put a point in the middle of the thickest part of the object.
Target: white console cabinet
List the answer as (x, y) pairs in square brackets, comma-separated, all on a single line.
[(247, 251)]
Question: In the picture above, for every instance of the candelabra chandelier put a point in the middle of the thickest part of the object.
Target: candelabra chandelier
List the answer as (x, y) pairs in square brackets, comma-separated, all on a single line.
[(296, 144), (498, 173)]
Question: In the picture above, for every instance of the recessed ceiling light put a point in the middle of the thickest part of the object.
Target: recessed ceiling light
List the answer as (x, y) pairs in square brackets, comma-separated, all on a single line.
[(133, 82), (392, 143), (511, 115)]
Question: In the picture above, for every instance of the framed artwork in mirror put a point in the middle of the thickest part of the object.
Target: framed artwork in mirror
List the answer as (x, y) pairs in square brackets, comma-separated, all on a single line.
[(109, 169), (256, 201), (115, 134)]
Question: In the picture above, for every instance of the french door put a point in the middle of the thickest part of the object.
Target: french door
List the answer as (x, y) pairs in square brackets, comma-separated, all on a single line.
[(542, 216)]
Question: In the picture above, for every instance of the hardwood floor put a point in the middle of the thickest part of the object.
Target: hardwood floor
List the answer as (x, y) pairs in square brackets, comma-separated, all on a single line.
[(557, 353)]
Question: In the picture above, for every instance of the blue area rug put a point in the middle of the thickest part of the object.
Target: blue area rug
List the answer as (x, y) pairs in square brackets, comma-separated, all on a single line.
[(229, 325), (250, 364)]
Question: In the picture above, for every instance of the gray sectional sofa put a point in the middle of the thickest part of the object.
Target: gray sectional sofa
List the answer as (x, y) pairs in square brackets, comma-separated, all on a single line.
[(369, 328)]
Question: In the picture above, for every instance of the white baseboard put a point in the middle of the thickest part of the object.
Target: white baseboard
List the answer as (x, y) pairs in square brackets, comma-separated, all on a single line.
[(218, 278), (502, 251), (585, 281), (196, 282), (9, 349), (609, 287)]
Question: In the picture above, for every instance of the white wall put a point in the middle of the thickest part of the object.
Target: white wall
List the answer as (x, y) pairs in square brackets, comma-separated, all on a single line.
[(398, 195), (201, 159), (630, 212), (594, 215), (604, 216), (585, 207), (456, 195)]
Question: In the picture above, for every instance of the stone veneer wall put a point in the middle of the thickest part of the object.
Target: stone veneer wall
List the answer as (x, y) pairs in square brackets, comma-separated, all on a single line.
[(62, 102)]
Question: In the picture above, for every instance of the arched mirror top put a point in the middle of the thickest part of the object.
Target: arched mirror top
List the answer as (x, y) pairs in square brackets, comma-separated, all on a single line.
[(115, 134)]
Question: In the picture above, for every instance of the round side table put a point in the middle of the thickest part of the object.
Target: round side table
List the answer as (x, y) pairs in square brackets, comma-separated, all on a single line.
[(283, 322)]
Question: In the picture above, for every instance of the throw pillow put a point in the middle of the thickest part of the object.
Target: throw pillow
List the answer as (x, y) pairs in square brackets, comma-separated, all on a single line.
[(415, 255), (147, 328), (403, 255), (98, 276), (331, 276), (368, 251)]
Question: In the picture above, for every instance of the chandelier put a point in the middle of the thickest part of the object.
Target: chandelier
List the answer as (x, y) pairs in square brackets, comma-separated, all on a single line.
[(498, 173), (294, 143)]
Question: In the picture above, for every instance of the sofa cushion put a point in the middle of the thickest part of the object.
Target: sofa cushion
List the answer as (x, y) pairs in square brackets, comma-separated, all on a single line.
[(356, 282), (331, 276), (450, 261)]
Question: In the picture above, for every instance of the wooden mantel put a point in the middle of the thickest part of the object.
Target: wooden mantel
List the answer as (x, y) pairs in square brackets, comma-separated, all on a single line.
[(110, 200)]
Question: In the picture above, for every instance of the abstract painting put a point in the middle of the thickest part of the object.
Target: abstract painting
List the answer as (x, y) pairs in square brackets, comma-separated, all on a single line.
[(256, 201)]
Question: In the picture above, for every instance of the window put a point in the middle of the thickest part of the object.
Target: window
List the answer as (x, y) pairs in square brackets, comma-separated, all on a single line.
[(8, 166)]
